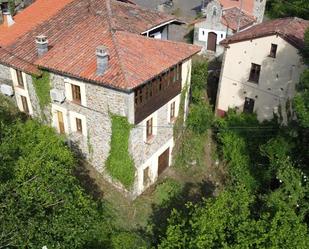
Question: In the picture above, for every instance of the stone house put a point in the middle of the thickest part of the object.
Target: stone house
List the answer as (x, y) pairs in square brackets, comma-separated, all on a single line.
[(98, 62), (223, 18), (261, 67)]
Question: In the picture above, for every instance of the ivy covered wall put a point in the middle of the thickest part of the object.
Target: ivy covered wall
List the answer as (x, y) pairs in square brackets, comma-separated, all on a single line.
[(42, 89), (120, 164)]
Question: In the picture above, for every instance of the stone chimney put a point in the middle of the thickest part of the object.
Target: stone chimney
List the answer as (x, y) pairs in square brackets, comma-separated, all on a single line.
[(7, 18), (41, 44), (102, 59)]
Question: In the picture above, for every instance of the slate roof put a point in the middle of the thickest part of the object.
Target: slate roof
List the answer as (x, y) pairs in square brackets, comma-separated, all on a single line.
[(76, 27), (291, 29)]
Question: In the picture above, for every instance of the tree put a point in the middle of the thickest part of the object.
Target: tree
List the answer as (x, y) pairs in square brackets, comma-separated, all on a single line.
[(41, 202), (285, 8)]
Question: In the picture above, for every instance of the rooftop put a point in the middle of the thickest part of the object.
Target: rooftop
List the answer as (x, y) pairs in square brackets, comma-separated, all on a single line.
[(75, 28), (247, 5), (291, 29), (231, 17)]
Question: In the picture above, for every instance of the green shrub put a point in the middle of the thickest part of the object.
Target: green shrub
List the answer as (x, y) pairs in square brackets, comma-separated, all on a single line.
[(42, 88), (127, 240), (200, 118), (235, 153), (120, 164), (166, 191)]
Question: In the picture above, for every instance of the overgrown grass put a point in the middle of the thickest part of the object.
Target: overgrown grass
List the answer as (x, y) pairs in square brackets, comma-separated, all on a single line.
[(42, 88), (120, 164)]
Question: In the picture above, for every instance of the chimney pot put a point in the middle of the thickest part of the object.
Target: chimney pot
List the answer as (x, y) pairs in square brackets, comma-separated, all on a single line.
[(7, 18), (41, 44), (102, 59)]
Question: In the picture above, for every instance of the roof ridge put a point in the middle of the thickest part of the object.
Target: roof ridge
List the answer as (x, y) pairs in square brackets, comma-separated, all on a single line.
[(153, 39), (112, 31)]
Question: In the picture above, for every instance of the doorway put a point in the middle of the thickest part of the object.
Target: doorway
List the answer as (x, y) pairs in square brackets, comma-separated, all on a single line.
[(212, 41), (163, 161)]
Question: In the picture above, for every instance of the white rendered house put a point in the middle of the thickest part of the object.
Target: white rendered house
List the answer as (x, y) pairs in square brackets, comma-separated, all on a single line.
[(261, 67)]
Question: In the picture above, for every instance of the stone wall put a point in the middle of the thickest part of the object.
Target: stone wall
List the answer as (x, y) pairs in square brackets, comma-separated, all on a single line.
[(100, 102), (5, 73), (259, 9), (37, 112)]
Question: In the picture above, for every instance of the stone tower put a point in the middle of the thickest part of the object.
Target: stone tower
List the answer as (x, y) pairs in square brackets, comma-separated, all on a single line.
[(259, 9), (213, 13)]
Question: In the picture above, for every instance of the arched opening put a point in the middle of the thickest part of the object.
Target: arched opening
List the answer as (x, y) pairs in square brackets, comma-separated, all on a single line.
[(212, 41)]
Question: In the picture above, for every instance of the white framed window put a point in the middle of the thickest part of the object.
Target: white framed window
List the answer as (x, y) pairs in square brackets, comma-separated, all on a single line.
[(60, 119), (75, 91), (78, 123)]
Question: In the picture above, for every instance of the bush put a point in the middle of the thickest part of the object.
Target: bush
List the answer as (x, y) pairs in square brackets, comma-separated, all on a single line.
[(200, 118), (127, 240), (120, 164), (166, 191)]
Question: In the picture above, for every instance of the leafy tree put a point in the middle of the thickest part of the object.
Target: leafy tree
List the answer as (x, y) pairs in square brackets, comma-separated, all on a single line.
[(41, 202), (285, 8)]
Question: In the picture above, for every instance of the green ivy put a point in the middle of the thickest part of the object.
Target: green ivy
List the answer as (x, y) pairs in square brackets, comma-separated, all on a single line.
[(42, 88), (120, 164)]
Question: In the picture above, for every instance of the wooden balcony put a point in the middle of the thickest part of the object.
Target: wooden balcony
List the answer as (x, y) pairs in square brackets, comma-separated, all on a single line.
[(156, 93)]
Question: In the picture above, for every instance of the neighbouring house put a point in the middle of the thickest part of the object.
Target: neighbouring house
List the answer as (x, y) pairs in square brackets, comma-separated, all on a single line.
[(261, 67), (105, 79), (223, 18)]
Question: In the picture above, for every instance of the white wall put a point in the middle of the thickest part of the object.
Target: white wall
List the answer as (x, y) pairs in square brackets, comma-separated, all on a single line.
[(203, 35), (19, 91), (277, 78)]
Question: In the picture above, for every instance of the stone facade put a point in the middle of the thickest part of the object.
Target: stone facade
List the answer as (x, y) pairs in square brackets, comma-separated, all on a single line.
[(5, 73), (259, 10), (97, 103)]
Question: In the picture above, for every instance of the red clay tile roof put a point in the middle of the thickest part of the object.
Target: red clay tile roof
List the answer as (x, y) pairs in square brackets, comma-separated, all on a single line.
[(7, 58), (75, 32), (291, 29), (39, 12), (247, 5), (230, 19)]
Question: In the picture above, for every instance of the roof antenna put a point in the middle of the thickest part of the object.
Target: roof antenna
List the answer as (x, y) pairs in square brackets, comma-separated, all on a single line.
[(239, 16)]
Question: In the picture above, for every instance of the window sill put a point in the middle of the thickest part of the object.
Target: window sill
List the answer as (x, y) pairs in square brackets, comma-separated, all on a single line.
[(272, 57), (150, 140), (20, 87), (253, 82)]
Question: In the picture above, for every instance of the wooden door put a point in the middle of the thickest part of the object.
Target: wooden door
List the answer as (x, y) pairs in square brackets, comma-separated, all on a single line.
[(25, 104), (163, 161), (60, 122), (212, 41)]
